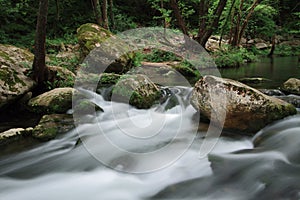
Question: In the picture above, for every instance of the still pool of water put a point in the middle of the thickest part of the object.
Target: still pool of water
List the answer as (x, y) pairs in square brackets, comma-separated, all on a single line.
[(278, 70)]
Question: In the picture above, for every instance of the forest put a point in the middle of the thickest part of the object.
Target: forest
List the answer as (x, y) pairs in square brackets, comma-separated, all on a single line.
[(149, 99), (237, 21)]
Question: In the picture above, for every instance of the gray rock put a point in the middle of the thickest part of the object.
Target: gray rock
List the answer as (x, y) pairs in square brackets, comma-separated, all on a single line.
[(292, 99), (292, 86), (137, 90), (254, 80), (14, 134), (272, 92), (247, 110), (14, 64), (261, 45), (58, 100)]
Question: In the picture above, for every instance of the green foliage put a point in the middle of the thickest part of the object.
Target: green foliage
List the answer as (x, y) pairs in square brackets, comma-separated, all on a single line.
[(233, 57), (295, 28), (60, 81), (262, 23), (287, 50), (124, 22), (165, 13), (158, 55)]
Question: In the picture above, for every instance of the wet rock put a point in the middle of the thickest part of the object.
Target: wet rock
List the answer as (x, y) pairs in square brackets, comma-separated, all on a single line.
[(292, 99), (254, 80), (272, 92), (85, 106), (137, 90), (247, 110), (52, 125), (14, 134), (58, 100), (14, 64), (292, 86)]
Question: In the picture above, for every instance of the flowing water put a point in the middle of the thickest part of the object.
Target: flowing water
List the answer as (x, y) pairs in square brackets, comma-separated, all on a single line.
[(157, 157)]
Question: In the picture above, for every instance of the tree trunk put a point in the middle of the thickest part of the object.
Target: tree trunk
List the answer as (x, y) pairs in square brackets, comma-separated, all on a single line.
[(104, 14), (273, 47), (236, 28), (111, 13), (226, 22), (178, 16), (244, 26), (40, 71), (97, 13), (203, 12), (203, 35)]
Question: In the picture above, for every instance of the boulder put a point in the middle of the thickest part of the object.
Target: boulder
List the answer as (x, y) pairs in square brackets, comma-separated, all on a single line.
[(247, 109), (261, 46), (292, 86), (14, 64), (14, 134), (137, 90), (58, 100), (85, 106), (254, 80), (90, 37), (169, 73), (272, 92), (292, 99), (52, 125)]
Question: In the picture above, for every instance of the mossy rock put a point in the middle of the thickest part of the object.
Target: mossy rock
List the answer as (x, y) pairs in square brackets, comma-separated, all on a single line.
[(246, 110), (292, 86), (137, 90), (186, 69), (90, 36), (100, 56), (58, 100), (85, 106), (52, 125), (14, 65)]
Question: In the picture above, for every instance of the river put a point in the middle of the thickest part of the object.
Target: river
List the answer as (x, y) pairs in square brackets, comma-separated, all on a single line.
[(166, 165)]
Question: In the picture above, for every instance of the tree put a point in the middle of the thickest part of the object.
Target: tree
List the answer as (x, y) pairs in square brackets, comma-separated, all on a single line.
[(97, 11), (178, 16), (40, 70), (207, 22), (207, 25), (111, 14), (240, 24), (100, 12)]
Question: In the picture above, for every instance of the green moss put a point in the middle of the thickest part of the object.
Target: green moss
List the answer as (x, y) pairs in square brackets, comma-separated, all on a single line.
[(5, 56), (109, 79), (141, 96), (186, 69), (45, 133)]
